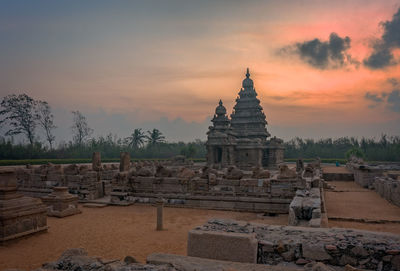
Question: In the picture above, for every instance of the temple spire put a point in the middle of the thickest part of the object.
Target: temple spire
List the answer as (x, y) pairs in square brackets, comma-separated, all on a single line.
[(247, 73)]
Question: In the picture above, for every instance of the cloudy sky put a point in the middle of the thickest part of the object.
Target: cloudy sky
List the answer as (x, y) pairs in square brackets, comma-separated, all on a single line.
[(321, 68)]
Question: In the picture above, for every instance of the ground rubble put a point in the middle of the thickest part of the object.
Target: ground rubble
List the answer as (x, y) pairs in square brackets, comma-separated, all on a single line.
[(334, 246), (77, 259)]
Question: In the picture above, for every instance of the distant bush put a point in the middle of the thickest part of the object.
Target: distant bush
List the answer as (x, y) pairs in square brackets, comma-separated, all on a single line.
[(355, 151)]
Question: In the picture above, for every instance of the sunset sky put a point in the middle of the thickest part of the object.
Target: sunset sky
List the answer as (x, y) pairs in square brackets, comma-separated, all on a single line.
[(320, 68)]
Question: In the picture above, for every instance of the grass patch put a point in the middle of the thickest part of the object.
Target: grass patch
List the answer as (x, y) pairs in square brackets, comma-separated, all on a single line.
[(75, 161), (323, 160)]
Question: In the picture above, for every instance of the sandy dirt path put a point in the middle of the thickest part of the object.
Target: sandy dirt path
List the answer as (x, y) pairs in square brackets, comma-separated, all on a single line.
[(351, 201), (115, 232)]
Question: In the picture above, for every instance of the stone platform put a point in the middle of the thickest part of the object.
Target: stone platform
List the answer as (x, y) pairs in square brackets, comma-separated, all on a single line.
[(19, 215)]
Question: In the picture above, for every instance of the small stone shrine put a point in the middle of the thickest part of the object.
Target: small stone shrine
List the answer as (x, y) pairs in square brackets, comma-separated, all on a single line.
[(61, 203)]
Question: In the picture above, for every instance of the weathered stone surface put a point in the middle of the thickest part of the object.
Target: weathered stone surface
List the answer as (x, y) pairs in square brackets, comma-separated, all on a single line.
[(236, 247), (96, 161), (125, 162), (286, 173), (333, 246), (315, 252), (145, 172), (19, 215), (61, 203), (187, 263)]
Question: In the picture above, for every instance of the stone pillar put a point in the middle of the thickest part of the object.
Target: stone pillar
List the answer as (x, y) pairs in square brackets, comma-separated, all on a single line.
[(96, 161), (125, 162), (160, 206)]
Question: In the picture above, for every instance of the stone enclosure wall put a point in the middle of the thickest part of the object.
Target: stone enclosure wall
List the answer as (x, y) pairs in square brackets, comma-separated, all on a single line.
[(267, 244), (384, 179), (255, 190), (226, 189)]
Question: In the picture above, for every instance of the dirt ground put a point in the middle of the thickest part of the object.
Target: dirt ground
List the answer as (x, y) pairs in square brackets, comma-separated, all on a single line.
[(114, 232), (351, 201), (335, 169)]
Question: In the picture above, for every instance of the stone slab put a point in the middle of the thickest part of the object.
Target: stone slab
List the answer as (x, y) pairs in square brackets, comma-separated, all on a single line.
[(236, 247)]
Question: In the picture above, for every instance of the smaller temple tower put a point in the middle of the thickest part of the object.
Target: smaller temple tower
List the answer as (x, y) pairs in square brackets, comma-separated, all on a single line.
[(221, 142), (243, 139)]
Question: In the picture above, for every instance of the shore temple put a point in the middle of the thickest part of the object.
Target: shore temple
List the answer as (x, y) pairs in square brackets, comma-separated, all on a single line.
[(243, 139)]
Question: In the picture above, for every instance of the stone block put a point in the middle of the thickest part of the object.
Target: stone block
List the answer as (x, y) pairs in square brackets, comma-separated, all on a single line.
[(236, 247), (315, 252)]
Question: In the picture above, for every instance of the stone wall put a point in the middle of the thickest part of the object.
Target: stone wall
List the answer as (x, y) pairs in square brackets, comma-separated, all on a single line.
[(384, 179), (339, 247), (388, 189), (78, 259), (226, 189)]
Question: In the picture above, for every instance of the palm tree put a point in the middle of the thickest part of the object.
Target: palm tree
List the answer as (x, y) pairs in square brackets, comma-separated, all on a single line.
[(136, 140), (154, 137)]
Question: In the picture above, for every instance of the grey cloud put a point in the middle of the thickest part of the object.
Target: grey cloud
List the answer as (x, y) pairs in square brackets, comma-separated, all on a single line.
[(393, 100), (393, 81), (330, 54), (390, 99), (373, 97), (380, 58), (382, 55)]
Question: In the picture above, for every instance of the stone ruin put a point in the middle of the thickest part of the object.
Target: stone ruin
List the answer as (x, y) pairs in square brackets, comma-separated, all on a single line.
[(85, 182), (229, 188), (19, 215), (307, 208), (231, 240), (60, 203), (242, 140), (383, 178), (78, 259)]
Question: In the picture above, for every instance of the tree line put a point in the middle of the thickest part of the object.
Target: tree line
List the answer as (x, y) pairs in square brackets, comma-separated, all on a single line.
[(23, 115), (387, 148)]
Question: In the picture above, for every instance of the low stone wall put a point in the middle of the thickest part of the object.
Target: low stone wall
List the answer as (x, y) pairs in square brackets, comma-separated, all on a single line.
[(247, 194), (78, 259), (388, 189), (82, 181), (384, 179), (339, 247)]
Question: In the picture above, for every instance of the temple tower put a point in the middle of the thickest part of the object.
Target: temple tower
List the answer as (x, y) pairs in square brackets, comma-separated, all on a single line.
[(248, 119)]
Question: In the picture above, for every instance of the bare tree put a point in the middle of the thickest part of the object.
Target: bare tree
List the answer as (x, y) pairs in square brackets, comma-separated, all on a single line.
[(45, 119), (19, 113), (80, 128)]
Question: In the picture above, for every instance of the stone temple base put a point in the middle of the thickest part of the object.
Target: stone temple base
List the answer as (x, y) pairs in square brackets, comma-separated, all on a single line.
[(19, 215), (60, 203)]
